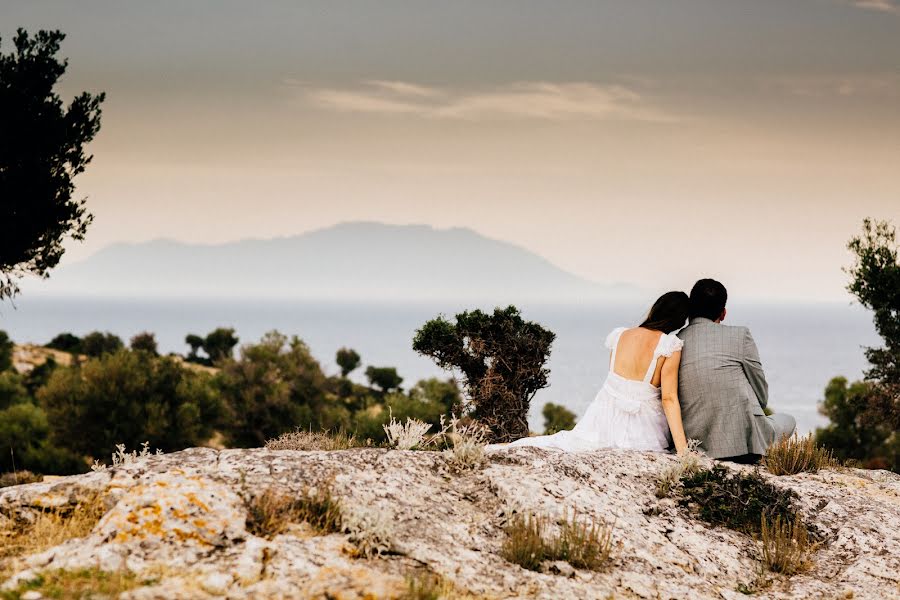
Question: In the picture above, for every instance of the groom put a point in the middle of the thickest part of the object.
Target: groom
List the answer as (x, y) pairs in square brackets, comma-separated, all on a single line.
[(721, 384)]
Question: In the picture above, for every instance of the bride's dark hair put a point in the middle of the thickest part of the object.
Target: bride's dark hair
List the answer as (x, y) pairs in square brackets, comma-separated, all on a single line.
[(669, 312)]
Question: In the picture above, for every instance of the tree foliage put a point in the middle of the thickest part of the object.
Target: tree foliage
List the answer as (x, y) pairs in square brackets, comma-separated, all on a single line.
[(557, 418), (42, 151), (6, 351), (274, 387), (128, 398), (97, 343), (875, 281), (384, 378), (348, 360), (218, 345), (501, 357), (850, 435), (145, 342), (66, 342)]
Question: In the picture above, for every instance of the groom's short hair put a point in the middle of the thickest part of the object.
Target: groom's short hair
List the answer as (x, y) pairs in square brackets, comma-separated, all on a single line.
[(708, 298)]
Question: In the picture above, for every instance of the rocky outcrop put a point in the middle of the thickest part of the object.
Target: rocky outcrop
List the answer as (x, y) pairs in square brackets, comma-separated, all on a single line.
[(181, 518)]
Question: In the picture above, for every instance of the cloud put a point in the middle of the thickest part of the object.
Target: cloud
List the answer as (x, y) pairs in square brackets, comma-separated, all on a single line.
[(523, 100), (890, 6), (887, 85)]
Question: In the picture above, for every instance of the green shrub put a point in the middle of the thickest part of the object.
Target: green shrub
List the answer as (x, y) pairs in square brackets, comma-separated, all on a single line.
[(97, 344), (557, 418), (6, 351), (384, 378), (128, 398), (66, 342), (26, 445), (274, 387), (735, 500)]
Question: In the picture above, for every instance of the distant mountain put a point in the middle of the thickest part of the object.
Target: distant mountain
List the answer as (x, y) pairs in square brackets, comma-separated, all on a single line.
[(347, 261)]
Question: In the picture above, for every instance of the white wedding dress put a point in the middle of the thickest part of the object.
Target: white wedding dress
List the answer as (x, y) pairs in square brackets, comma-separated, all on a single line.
[(626, 413)]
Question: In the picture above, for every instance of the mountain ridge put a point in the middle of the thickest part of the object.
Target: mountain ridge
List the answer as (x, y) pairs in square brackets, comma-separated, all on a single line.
[(377, 260)]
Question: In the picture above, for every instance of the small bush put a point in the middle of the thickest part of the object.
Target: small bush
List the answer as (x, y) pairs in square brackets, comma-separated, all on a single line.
[(669, 479), (465, 443), (735, 500), (792, 455), (18, 478), (786, 546), (272, 512), (370, 529), (312, 440), (584, 545), (557, 418), (122, 457), (406, 436), (51, 527)]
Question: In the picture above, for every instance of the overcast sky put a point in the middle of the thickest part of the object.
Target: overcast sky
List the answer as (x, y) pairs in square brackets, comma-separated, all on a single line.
[(643, 141)]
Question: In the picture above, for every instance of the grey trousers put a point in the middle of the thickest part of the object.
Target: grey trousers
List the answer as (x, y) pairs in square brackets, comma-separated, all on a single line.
[(784, 425)]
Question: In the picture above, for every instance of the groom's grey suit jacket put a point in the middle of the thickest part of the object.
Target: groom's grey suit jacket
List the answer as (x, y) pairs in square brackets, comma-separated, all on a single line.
[(723, 390)]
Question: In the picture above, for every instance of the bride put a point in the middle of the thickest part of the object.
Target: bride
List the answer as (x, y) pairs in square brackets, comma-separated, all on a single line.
[(637, 407)]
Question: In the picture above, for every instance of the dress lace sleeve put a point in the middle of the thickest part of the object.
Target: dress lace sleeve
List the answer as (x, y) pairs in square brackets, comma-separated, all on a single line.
[(670, 344), (613, 338)]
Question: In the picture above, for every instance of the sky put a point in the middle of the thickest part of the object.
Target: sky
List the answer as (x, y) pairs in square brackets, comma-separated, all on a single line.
[(650, 142)]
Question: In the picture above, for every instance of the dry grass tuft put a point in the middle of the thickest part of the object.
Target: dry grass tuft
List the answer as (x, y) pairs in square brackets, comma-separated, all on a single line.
[(272, 512), (689, 463), (18, 478), (582, 544), (786, 547), (51, 527), (792, 455), (524, 544), (312, 440), (431, 586), (77, 584)]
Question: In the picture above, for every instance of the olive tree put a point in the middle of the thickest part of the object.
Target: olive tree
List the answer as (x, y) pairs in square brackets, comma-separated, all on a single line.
[(501, 358)]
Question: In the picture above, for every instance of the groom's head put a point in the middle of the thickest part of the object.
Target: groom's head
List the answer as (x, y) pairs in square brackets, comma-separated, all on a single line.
[(708, 298)]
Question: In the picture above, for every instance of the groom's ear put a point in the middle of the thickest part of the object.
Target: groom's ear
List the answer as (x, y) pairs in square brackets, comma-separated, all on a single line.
[(722, 316)]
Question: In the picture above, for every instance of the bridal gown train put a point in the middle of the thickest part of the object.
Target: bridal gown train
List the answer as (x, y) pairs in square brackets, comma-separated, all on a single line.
[(626, 413)]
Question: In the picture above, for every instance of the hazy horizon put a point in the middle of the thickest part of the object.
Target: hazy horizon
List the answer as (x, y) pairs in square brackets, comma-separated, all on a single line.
[(629, 141)]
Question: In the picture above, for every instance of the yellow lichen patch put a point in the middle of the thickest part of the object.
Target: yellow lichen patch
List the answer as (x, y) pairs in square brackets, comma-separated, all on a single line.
[(194, 500)]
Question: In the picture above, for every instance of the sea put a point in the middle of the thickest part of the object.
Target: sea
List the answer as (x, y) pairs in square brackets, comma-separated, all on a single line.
[(802, 346)]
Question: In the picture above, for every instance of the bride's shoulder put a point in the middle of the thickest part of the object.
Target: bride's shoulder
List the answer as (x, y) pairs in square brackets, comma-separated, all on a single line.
[(613, 336), (669, 343)]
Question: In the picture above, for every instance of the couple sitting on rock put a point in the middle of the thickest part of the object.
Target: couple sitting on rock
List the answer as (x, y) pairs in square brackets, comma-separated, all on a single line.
[(705, 383)]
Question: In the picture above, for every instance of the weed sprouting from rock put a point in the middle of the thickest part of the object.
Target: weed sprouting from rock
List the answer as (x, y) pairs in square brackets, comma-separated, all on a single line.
[(582, 544), (272, 512), (370, 529), (312, 440), (786, 546), (406, 436), (122, 457), (792, 455)]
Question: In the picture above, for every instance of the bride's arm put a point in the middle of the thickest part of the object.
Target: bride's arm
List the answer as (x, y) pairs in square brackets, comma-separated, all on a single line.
[(670, 405)]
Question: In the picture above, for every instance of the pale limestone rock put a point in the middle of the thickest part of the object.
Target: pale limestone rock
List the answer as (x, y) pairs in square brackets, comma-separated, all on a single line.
[(182, 517)]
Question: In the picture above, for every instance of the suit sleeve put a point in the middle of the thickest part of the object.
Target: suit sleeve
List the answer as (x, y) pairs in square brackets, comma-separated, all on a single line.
[(754, 370)]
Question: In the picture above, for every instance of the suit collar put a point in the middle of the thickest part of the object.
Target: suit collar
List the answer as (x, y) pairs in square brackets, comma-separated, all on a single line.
[(699, 320)]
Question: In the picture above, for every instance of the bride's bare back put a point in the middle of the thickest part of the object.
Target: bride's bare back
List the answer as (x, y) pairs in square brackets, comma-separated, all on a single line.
[(637, 347)]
